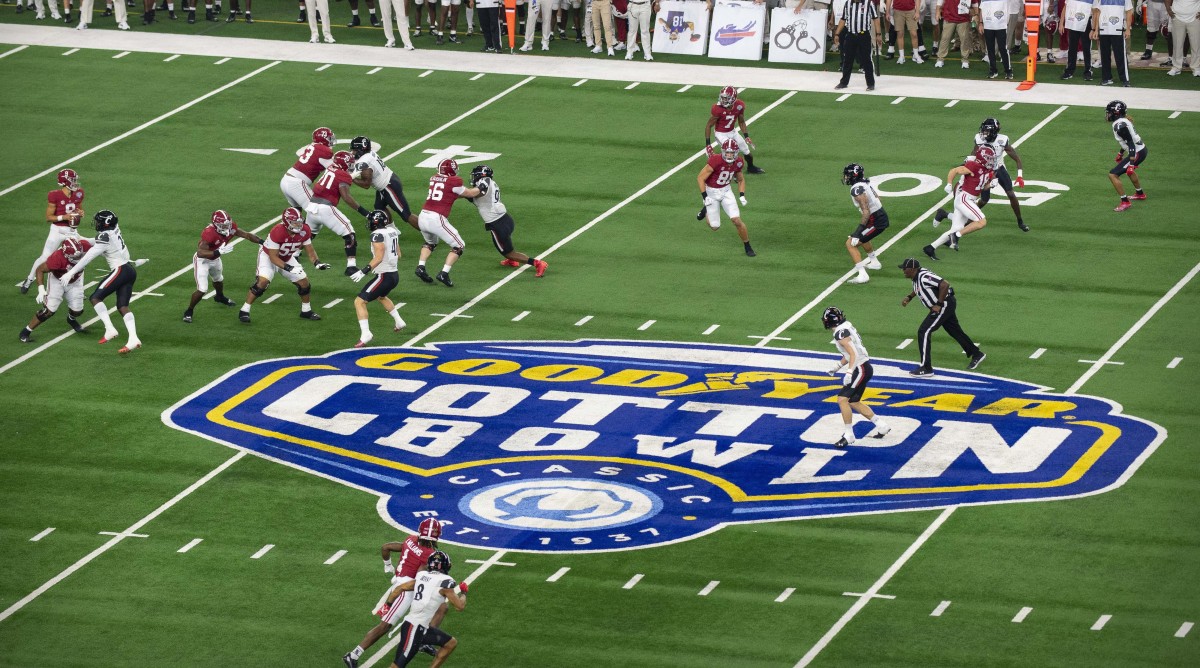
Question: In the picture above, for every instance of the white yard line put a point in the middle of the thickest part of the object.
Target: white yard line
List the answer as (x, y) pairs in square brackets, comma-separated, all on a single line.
[(42, 534), (945, 514), (520, 316), (633, 581), (1037, 353), (941, 607), (143, 126), (334, 557), (1174, 363), (558, 574), (12, 609), (1021, 615), (1099, 625), (708, 588), (194, 542), (262, 551), (14, 50)]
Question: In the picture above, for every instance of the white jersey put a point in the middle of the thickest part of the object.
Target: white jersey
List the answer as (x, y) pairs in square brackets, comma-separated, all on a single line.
[(1124, 123), (110, 243), (489, 204), (847, 331), (999, 144), (865, 187), (381, 174), (994, 14), (427, 596), (390, 238)]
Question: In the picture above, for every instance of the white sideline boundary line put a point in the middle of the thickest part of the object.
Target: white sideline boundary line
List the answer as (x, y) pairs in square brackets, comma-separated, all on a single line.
[(945, 514), (143, 126)]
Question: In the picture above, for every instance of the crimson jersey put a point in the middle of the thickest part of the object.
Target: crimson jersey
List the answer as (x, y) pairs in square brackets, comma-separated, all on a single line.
[(65, 204), (723, 172), (980, 175), (441, 193), (308, 160), (727, 116), (329, 186), (287, 243), (58, 264), (413, 558), (215, 239)]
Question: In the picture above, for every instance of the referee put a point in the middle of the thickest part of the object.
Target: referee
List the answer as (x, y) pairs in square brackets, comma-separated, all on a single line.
[(860, 20), (937, 295)]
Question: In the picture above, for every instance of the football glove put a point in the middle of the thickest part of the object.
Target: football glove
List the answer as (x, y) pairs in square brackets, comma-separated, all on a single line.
[(708, 201), (1020, 181), (949, 188), (288, 266), (1131, 168), (140, 261), (224, 250), (322, 266), (1120, 156), (462, 586), (846, 378), (41, 295), (388, 568), (68, 276), (358, 276), (750, 144), (742, 199), (834, 371)]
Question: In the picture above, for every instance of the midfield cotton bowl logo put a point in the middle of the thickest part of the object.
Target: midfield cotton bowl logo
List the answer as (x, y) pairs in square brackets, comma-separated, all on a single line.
[(608, 445)]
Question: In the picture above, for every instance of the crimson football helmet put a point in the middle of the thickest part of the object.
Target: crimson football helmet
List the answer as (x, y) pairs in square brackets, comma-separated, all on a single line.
[(292, 218), (67, 178), (324, 136), (429, 529), (439, 561), (727, 97), (342, 160), (72, 249), (729, 150), (222, 221), (986, 154), (448, 167)]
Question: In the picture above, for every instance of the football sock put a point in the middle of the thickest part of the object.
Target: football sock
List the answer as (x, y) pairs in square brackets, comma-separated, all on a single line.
[(942, 239), (354, 12), (25, 331), (421, 263), (356, 652), (1124, 198), (246, 307), (102, 311), (350, 262), (395, 313), (531, 261), (131, 325), (1139, 191), (305, 307), (870, 256), (366, 331), (848, 434), (746, 244), (749, 160), (446, 268)]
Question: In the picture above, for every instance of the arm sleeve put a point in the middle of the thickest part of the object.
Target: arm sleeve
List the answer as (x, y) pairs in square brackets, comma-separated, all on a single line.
[(1123, 131), (92, 253), (458, 190)]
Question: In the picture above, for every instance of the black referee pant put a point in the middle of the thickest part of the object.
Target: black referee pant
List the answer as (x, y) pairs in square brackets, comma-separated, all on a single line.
[(857, 46), (489, 25), (1112, 47), (947, 319)]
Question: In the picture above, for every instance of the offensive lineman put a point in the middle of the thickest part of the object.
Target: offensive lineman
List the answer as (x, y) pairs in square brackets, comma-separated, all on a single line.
[(858, 373), (385, 255), (206, 262), (278, 250), (967, 218), (874, 220), (64, 210), (370, 172), (56, 265), (297, 181), (331, 188), (432, 588), (414, 552), (714, 181), (497, 221), (434, 221), (120, 279), (989, 133)]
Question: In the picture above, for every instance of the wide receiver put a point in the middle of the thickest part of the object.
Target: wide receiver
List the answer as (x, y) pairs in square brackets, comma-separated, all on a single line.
[(432, 589), (385, 256), (297, 181), (873, 222), (976, 173), (67, 255), (414, 552), (434, 222), (278, 255), (989, 133), (714, 179), (206, 262), (64, 210), (728, 115)]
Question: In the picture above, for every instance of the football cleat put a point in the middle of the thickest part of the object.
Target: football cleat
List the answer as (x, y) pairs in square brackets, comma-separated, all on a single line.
[(223, 300), (880, 431), (1125, 204), (108, 336), (1025, 228), (873, 263), (349, 661), (244, 316), (75, 325), (187, 316), (363, 342), (928, 250), (24, 335), (1138, 196), (539, 268), (976, 360), (939, 217), (952, 242), (701, 213), (750, 251), (859, 279), (422, 274), (843, 442), (756, 170), (445, 279), (129, 347), (310, 315), (509, 263), (24, 285)]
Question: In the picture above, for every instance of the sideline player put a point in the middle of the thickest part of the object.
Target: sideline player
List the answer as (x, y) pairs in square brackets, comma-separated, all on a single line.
[(370, 172), (874, 220), (497, 221), (1132, 154), (278, 249), (414, 553), (50, 299), (976, 173), (432, 588), (206, 262), (989, 133), (331, 188), (385, 254), (297, 181), (714, 179), (728, 112), (858, 373), (120, 279), (64, 210), (434, 221)]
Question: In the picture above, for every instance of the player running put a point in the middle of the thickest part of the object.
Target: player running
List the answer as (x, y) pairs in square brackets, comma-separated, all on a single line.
[(874, 220), (119, 280), (385, 255), (206, 262), (714, 179), (278, 251), (497, 221), (727, 116), (989, 133), (434, 221), (854, 382), (297, 181), (369, 171), (976, 173), (64, 210), (432, 589), (331, 188), (1132, 154), (67, 255)]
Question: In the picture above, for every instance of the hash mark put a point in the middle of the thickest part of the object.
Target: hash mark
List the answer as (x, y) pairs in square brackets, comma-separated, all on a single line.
[(170, 58), (263, 550), (1020, 616), (1037, 353), (579, 83), (477, 76), (708, 588), (633, 581), (425, 73), (333, 303), (1101, 622), (1174, 115), (121, 55), (272, 298), (520, 316), (1184, 630), (336, 555), (631, 86), (193, 543), (558, 574), (937, 612), (710, 330), (899, 100), (1007, 107), (647, 325), (43, 534), (951, 103), (684, 89), (785, 595), (373, 71), (67, 53), (1174, 363), (903, 344), (324, 67), (844, 97), (583, 320), (222, 61)]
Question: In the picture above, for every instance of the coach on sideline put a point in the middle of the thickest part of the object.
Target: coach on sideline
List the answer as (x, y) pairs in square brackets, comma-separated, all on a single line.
[(938, 296), (861, 20)]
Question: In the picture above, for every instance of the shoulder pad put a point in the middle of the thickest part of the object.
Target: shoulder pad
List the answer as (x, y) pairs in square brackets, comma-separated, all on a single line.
[(482, 186), (102, 237), (378, 237)]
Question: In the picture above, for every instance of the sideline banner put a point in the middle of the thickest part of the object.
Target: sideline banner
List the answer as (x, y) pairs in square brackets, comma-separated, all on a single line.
[(737, 31), (797, 38), (681, 27)]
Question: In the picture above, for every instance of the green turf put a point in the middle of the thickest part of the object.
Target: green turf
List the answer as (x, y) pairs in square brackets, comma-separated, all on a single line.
[(84, 449)]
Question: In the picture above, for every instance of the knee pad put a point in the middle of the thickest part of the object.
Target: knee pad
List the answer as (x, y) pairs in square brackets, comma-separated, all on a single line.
[(303, 290), (44, 314), (429, 245), (351, 243), (73, 313), (458, 250), (257, 291)]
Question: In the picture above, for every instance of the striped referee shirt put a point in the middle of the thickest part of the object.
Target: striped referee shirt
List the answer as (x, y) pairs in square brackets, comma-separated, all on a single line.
[(858, 15), (925, 284)]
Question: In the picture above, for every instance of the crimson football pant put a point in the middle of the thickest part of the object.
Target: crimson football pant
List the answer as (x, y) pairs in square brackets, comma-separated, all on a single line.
[(857, 47), (946, 319)]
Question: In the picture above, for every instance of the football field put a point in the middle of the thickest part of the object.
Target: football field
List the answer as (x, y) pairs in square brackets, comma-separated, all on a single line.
[(169, 507)]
